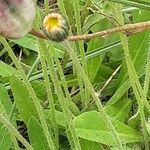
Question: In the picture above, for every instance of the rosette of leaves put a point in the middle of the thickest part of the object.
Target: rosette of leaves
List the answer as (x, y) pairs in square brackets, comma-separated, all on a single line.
[(16, 17)]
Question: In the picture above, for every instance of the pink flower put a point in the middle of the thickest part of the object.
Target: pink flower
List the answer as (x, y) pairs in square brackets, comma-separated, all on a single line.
[(16, 17)]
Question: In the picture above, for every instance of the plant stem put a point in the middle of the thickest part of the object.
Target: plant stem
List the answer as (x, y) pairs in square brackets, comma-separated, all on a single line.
[(3, 112), (129, 28), (49, 91), (73, 139), (46, 6), (147, 75), (11, 129), (63, 80), (76, 8), (80, 49), (135, 88)]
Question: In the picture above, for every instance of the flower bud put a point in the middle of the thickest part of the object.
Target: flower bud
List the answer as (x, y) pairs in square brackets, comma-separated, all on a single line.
[(55, 26), (16, 17)]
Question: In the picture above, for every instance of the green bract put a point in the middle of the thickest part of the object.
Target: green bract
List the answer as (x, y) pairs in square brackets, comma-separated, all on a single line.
[(16, 17)]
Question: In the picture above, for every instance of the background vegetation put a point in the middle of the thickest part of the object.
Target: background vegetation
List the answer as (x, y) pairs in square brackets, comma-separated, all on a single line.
[(80, 95)]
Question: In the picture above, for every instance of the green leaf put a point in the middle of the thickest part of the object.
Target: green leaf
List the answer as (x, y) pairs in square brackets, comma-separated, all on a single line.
[(94, 64), (5, 100), (36, 135), (28, 42), (5, 108), (40, 90), (6, 70), (135, 3), (119, 92), (60, 119), (103, 74), (89, 145), (70, 13), (91, 126), (91, 20), (22, 98), (128, 147), (120, 110), (138, 47)]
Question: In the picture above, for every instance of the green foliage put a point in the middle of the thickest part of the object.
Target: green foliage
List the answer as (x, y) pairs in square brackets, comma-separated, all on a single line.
[(89, 145), (38, 141), (6, 109), (91, 126), (23, 101), (120, 110), (65, 105), (6, 70)]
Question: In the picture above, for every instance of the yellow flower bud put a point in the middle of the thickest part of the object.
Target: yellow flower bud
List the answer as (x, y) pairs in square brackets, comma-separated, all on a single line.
[(55, 26)]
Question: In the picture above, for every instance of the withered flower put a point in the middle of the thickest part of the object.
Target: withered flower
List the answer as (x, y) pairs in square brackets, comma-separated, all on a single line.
[(16, 17)]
